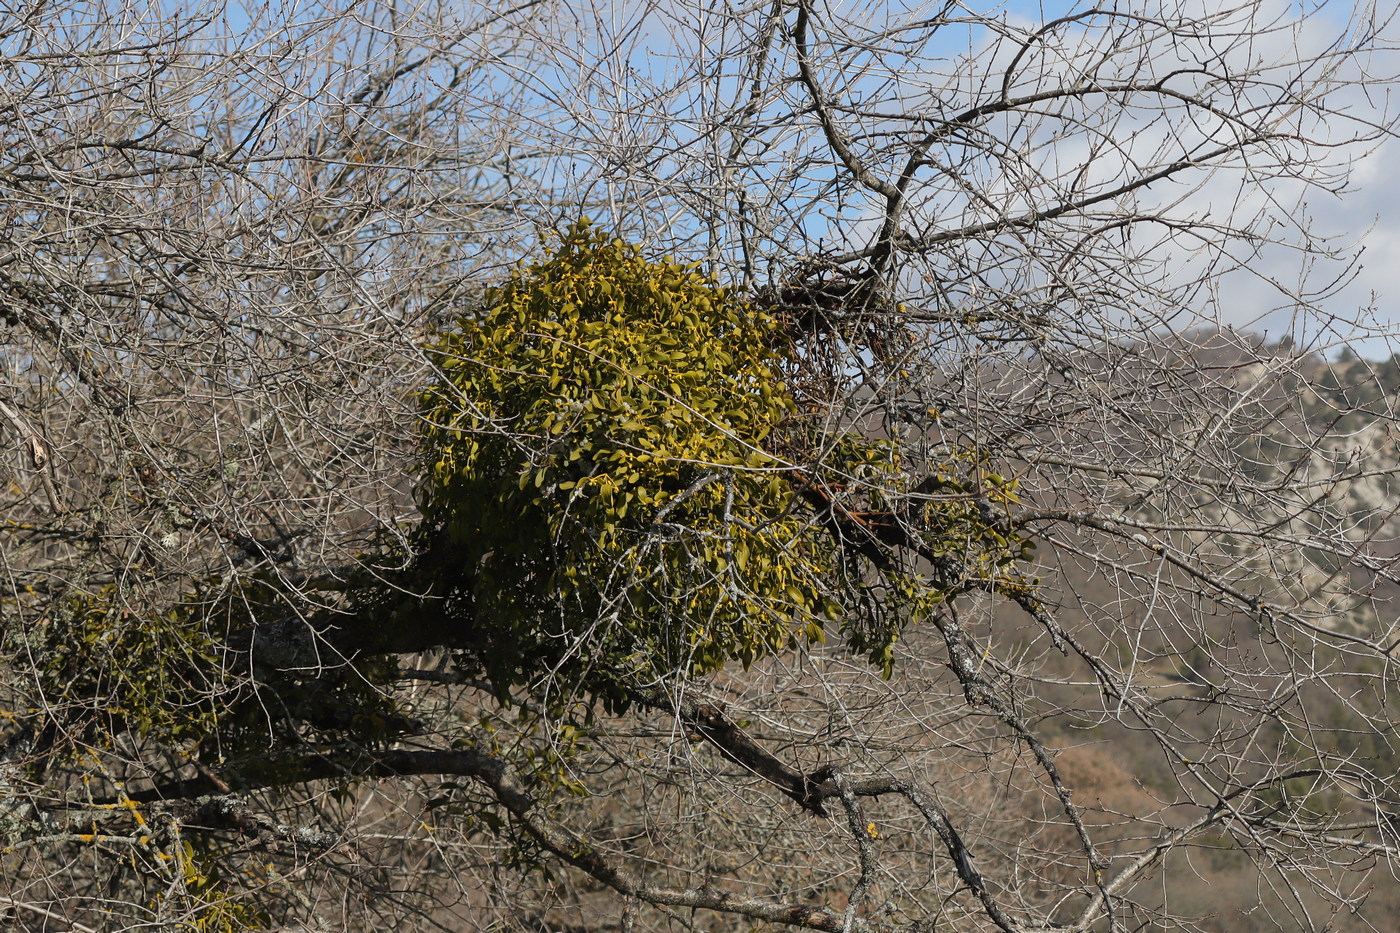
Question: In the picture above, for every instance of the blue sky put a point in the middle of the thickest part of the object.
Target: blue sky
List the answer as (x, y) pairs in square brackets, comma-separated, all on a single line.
[(1362, 223), (1362, 286), (1367, 217)]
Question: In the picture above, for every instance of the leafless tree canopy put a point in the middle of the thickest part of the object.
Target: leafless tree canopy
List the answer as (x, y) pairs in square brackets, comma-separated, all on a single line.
[(231, 698)]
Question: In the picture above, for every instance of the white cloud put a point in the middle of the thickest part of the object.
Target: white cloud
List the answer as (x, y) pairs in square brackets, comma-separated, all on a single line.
[(1286, 75)]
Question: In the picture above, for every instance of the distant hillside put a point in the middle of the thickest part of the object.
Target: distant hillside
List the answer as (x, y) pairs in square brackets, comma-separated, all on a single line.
[(1319, 454)]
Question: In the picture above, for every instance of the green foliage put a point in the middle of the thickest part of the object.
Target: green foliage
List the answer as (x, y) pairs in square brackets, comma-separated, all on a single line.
[(594, 448), (173, 677), (600, 449), (107, 669)]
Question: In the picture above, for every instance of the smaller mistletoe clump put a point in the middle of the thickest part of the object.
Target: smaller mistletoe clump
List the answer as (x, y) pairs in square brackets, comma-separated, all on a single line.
[(104, 670)]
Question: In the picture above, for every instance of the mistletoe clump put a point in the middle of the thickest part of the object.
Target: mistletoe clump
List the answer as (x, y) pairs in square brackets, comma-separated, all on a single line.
[(601, 455), (596, 455)]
